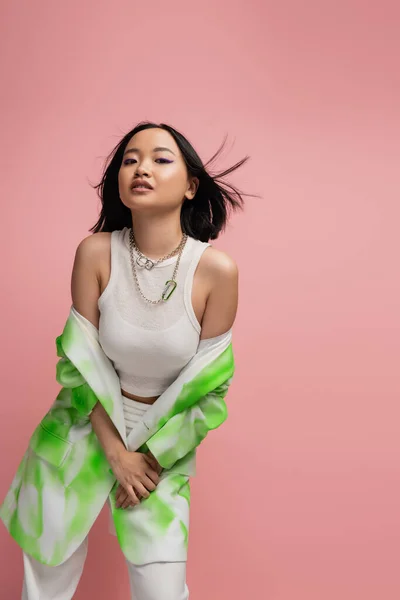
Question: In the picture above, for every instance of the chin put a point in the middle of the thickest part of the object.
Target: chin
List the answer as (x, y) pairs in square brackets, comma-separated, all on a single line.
[(141, 200), (143, 206)]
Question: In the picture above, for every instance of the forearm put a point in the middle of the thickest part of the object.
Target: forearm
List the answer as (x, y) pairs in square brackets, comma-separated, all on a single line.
[(106, 433)]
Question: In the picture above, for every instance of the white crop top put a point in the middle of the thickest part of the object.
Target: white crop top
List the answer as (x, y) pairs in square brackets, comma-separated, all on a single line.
[(148, 344)]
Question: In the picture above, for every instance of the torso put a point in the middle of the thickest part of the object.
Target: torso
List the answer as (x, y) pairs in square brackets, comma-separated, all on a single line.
[(200, 291)]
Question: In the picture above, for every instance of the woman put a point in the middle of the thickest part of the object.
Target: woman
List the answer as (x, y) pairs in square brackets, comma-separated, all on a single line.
[(154, 295)]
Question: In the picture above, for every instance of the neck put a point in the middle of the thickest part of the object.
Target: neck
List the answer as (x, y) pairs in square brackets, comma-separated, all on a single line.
[(156, 237)]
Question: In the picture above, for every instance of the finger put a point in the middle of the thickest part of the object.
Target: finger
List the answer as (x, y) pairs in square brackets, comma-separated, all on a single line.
[(153, 475), (121, 500), (120, 494), (148, 483), (143, 492), (132, 494), (126, 503), (151, 460), (156, 465)]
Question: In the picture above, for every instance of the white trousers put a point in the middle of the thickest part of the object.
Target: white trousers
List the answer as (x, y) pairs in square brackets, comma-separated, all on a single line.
[(152, 581)]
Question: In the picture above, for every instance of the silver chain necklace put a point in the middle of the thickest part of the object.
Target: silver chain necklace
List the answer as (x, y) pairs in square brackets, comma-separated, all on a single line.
[(147, 263)]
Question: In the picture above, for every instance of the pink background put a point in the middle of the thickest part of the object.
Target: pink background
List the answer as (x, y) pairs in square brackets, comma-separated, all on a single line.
[(298, 494)]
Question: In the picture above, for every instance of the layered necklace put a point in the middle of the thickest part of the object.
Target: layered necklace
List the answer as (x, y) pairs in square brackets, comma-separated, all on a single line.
[(147, 263)]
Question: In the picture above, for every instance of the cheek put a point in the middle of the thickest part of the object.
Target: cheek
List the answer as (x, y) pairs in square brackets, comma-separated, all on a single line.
[(172, 180), (123, 175), (124, 179)]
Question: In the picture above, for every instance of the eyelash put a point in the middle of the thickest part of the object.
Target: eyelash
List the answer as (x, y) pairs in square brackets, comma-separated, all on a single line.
[(166, 161)]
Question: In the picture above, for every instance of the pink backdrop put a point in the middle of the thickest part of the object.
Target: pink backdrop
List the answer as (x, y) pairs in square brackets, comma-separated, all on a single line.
[(298, 494)]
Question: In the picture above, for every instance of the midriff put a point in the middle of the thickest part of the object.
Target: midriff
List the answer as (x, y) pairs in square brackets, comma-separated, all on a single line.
[(144, 399)]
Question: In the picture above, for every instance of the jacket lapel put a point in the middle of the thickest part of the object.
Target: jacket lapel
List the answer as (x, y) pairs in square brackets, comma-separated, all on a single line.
[(80, 342)]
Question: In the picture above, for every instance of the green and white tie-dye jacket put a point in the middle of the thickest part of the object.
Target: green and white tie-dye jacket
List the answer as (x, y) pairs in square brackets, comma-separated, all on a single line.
[(64, 479)]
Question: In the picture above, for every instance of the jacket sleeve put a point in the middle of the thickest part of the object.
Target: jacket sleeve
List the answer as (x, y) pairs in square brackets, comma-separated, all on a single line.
[(82, 398), (186, 430)]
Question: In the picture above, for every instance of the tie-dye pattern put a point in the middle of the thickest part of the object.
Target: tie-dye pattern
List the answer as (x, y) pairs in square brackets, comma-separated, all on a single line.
[(64, 479)]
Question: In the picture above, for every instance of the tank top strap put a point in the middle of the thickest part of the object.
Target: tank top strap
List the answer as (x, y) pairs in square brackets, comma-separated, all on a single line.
[(116, 244), (197, 253)]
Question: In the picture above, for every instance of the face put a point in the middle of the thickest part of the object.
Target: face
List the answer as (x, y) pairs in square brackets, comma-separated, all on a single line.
[(154, 156)]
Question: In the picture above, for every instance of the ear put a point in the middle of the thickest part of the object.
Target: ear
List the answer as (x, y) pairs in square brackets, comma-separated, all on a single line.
[(192, 188)]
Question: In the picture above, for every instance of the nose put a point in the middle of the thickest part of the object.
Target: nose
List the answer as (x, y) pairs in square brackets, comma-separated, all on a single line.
[(141, 170)]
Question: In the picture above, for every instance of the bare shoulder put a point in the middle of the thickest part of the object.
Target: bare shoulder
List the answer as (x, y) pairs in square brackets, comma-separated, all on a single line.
[(94, 249), (95, 243), (222, 301), (219, 263), (86, 274)]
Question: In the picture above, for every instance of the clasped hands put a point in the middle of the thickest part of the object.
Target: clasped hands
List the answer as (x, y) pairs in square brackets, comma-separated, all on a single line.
[(138, 474)]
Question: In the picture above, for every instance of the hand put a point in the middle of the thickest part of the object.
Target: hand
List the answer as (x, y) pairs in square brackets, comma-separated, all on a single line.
[(137, 473), (156, 464), (123, 500)]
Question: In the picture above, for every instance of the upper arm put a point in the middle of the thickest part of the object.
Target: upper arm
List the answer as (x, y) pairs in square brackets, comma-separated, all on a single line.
[(85, 279), (222, 302)]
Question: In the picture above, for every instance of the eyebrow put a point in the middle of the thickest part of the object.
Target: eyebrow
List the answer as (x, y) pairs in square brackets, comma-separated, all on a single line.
[(157, 149)]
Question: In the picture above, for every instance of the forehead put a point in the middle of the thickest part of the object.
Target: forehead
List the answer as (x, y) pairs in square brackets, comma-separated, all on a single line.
[(147, 139)]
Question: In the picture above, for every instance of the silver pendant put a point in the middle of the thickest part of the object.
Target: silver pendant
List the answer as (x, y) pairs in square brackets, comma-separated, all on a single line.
[(145, 262)]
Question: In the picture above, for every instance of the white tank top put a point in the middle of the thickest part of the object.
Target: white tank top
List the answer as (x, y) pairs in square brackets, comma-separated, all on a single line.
[(148, 344)]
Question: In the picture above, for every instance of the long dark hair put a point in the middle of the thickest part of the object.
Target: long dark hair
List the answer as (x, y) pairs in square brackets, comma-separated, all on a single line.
[(203, 218)]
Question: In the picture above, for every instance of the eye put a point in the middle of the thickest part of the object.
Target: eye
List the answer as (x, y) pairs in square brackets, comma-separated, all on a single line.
[(128, 161)]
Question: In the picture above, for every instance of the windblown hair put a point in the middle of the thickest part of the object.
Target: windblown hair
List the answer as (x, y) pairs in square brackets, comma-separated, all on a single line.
[(203, 218)]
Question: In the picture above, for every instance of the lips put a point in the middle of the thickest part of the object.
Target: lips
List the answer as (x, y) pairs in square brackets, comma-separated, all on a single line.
[(140, 183)]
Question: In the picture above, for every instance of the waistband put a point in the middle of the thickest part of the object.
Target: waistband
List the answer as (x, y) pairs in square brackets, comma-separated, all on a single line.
[(134, 412), (134, 406)]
